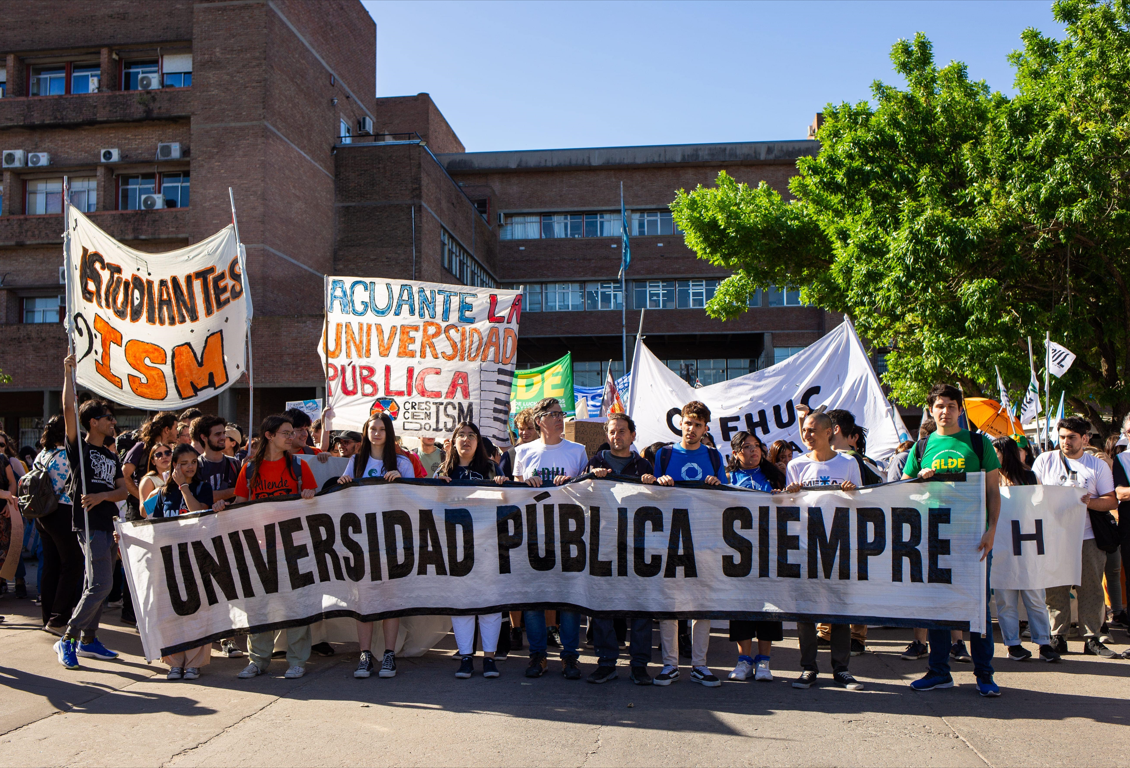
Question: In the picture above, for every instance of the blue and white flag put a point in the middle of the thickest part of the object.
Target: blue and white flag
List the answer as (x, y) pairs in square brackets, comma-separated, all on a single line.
[(625, 243)]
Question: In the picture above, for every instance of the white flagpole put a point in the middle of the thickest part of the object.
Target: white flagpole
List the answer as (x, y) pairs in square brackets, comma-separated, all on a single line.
[(247, 298), (1047, 389), (74, 384), (623, 293)]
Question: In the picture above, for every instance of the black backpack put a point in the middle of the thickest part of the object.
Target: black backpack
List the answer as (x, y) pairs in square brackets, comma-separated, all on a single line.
[(663, 460), (36, 494)]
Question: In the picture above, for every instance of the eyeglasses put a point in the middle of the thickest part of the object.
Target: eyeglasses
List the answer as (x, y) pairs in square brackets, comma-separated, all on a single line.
[(162, 454), (287, 435), (554, 415)]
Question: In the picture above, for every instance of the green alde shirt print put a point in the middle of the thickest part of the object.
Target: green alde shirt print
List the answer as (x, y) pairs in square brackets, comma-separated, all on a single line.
[(953, 454)]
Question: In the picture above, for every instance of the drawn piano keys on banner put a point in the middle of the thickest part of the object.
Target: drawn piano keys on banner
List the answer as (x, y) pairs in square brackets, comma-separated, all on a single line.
[(496, 382)]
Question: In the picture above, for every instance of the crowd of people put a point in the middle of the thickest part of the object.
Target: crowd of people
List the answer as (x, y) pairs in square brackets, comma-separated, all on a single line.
[(191, 462)]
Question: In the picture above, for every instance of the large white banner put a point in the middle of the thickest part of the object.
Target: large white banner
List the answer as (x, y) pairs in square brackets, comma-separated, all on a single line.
[(156, 331), (835, 372), (428, 354), (902, 554), (1039, 538)]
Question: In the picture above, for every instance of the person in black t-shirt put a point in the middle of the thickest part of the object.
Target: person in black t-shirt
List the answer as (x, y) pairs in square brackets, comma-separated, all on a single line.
[(101, 486)]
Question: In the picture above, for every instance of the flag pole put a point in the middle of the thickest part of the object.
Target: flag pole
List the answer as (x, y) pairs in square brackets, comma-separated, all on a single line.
[(623, 293), (1048, 389), (246, 297)]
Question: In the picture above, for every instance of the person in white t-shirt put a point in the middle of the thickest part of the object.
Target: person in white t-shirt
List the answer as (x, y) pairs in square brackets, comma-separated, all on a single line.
[(551, 460), (1072, 466), (822, 467), (377, 457)]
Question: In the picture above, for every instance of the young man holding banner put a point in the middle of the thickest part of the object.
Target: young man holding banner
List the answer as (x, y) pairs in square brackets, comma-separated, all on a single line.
[(952, 450)]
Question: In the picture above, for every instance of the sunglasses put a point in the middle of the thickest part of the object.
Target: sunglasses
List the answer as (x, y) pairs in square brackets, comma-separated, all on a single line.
[(3, 445), (162, 454)]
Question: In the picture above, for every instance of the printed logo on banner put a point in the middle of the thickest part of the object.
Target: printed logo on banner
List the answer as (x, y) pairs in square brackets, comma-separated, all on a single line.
[(385, 405)]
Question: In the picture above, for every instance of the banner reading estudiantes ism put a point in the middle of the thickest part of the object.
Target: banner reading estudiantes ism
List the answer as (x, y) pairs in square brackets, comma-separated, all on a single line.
[(428, 354), (903, 554), (156, 331)]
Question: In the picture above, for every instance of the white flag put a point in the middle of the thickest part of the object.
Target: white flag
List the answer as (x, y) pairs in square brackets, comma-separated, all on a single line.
[(1030, 408), (1060, 359), (1006, 404)]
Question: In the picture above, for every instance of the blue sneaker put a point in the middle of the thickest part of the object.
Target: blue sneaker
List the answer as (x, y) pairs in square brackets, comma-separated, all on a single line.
[(932, 681), (987, 688), (95, 650), (65, 648)]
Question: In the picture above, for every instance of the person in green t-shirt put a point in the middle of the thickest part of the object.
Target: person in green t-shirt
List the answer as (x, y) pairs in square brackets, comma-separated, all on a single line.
[(950, 451)]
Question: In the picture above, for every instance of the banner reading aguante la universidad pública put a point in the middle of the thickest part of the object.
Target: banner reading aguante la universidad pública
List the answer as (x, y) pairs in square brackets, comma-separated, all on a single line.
[(430, 355)]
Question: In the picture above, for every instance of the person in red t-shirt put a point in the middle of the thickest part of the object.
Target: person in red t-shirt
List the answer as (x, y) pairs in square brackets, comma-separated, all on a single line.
[(272, 471)]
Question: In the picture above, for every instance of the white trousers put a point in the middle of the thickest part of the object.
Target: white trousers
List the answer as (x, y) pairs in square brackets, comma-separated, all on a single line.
[(464, 627), (669, 642)]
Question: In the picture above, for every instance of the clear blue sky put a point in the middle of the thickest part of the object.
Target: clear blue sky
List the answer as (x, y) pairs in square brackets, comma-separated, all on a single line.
[(534, 75)]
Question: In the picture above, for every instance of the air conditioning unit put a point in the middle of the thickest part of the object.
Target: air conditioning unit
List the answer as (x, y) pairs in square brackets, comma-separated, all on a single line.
[(148, 82), (62, 275), (13, 158), (38, 160), (170, 151), (501, 219), (365, 126), (111, 155), (95, 83), (152, 202)]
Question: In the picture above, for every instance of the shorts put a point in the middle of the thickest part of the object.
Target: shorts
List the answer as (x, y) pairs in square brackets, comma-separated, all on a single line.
[(771, 631)]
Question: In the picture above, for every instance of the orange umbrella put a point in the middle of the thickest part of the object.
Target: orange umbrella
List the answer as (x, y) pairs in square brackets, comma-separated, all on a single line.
[(991, 418)]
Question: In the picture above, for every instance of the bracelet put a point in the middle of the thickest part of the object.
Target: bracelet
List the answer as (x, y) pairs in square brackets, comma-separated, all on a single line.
[(183, 485)]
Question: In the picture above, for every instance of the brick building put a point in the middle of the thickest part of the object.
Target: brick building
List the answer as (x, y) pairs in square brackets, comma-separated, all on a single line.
[(177, 101)]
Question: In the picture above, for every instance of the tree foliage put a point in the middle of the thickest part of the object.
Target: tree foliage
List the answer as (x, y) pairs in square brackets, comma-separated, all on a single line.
[(951, 222)]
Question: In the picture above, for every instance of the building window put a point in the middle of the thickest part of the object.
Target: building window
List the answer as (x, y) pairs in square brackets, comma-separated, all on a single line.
[(132, 188), (754, 299), (781, 354), (174, 186), (741, 366), (344, 132), (521, 228), (881, 363), (789, 297), (49, 81), (563, 297), (653, 223), (85, 78), (459, 262), (43, 309), (84, 194), (588, 374), (712, 370), (603, 296), (44, 196), (654, 294), (3, 83), (559, 225), (531, 297), (176, 70), (132, 72), (176, 79), (603, 225), (693, 294)]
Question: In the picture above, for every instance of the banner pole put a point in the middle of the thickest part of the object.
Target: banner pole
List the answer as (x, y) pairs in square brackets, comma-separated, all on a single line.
[(247, 298), (1048, 389), (623, 293), (326, 342), (1032, 373)]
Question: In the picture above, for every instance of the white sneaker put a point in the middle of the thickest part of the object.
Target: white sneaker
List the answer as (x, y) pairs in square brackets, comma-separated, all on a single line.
[(175, 673), (742, 671), (251, 670), (192, 673), (295, 672), (763, 673)]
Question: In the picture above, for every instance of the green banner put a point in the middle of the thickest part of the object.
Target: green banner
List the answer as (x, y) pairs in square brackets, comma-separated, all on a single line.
[(553, 380)]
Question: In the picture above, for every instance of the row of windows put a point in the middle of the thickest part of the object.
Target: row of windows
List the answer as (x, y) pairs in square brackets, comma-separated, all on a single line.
[(552, 226), (646, 294), (45, 196), (695, 371), (462, 264), (173, 71)]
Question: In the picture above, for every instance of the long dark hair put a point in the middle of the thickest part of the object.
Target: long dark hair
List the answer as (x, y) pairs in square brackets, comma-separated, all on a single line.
[(270, 424), (1012, 466), (180, 450), (767, 467), (150, 432), (149, 465), (388, 453), (480, 462), (54, 432)]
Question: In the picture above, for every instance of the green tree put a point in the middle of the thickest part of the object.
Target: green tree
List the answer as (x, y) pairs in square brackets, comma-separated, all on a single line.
[(951, 223)]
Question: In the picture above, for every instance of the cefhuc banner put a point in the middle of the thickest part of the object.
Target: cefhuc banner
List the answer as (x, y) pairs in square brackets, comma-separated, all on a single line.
[(535, 384), (834, 371), (902, 554), (1039, 537), (430, 355), (157, 331)]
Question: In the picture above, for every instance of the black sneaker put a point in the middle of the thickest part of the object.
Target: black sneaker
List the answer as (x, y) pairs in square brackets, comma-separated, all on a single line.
[(515, 638), (843, 679), (1120, 619), (667, 676), (323, 649), (1093, 647), (1059, 645), (915, 651), (364, 666), (570, 670), (807, 679), (857, 648), (1019, 653), (704, 676), (466, 667), (1048, 654), (388, 665), (489, 668), (958, 652), (639, 676), (1104, 633), (552, 637), (602, 674), (538, 665)]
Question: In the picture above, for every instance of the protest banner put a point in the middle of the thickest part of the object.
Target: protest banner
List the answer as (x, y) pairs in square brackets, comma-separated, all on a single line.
[(156, 331), (834, 371), (324, 469), (552, 380), (902, 554), (595, 395), (312, 408), (428, 354), (1039, 537)]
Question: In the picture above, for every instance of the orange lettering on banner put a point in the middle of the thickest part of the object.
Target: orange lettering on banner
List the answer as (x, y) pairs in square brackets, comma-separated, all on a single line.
[(492, 343), (509, 346), (473, 352), (191, 374), (407, 339), (459, 384), (454, 353), (110, 335), (368, 339), (139, 354), (383, 346), (335, 350), (353, 345), (462, 344), (431, 331), (421, 385)]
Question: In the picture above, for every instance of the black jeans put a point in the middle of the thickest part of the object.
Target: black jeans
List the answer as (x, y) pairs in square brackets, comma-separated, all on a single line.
[(61, 580), (607, 648)]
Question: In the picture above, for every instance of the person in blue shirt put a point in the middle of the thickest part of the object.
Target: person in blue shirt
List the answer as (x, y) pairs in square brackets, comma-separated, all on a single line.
[(748, 467)]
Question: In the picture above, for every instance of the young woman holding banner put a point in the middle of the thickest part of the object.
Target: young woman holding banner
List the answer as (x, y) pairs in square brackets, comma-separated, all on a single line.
[(468, 460), (377, 457)]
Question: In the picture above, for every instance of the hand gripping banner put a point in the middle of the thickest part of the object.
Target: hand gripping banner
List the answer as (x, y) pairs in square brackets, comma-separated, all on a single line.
[(156, 331), (901, 554)]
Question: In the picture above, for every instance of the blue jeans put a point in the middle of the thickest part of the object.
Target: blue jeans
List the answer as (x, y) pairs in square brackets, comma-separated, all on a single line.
[(569, 628), (608, 649), (980, 646)]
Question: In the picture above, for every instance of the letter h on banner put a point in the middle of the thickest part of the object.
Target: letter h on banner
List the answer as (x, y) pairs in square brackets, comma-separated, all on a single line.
[(1019, 538)]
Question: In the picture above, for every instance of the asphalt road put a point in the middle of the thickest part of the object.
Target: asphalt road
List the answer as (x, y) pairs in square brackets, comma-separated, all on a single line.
[(125, 713)]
